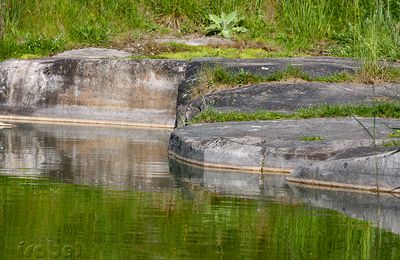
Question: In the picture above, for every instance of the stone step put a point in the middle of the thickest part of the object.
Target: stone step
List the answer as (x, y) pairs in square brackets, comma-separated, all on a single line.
[(289, 97), (345, 154)]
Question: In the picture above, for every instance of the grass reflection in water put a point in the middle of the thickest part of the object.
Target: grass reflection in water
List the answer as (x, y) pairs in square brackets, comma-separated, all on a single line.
[(175, 223)]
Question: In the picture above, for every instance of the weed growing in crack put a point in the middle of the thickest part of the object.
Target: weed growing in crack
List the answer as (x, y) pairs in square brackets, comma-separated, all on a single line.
[(311, 138)]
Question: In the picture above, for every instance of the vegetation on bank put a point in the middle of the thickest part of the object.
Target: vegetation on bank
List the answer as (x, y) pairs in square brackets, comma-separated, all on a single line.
[(381, 109), (234, 51), (363, 28), (217, 78)]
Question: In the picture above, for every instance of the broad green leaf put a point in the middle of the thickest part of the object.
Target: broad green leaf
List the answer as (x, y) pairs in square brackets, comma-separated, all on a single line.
[(226, 34), (213, 28), (215, 19), (240, 29), (230, 18), (223, 16)]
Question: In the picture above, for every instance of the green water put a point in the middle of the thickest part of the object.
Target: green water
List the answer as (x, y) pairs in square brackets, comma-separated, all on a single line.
[(67, 192)]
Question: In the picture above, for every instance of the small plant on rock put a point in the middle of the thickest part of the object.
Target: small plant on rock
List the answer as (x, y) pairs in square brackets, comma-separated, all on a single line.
[(225, 24), (311, 138), (395, 134)]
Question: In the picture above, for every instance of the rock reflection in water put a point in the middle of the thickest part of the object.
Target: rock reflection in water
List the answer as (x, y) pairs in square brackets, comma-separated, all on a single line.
[(382, 211), (235, 183), (123, 158)]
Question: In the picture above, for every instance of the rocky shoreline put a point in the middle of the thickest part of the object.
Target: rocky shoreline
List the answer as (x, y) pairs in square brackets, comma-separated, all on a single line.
[(110, 87)]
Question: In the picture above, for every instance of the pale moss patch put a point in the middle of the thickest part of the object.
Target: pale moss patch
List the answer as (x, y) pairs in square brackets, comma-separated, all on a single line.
[(229, 53), (30, 56)]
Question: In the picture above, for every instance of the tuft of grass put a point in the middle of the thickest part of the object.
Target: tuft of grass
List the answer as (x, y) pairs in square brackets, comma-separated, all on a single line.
[(335, 78), (382, 109), (395, 143), (395, 134), (31, 46), (311, 138), (373, 73)]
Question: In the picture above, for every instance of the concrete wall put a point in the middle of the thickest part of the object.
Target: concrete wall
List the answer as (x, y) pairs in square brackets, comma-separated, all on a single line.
[(119, 91)]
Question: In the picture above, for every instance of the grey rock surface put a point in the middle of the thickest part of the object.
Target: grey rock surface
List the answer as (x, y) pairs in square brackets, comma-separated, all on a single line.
[(104, 85), (277, 145), (314, 66), (289, 97), (382, 169), (139, 92)]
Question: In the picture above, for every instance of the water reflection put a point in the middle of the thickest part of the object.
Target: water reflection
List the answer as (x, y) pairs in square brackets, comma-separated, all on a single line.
[(127, 204), (251, 185), (382, 210), (121, 158)]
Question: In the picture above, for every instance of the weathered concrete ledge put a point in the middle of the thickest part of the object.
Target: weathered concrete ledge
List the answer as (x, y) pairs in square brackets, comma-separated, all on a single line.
[(98, 89), (277, 146), (106, 86)]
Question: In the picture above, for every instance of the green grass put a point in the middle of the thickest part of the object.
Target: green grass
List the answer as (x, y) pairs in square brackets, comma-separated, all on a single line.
[(372, 73), (363, 28), (395, 134), (382, 109), (220, 75), (395, 143), (229, 52), (216, 78), (311, 138), (366, 74)]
